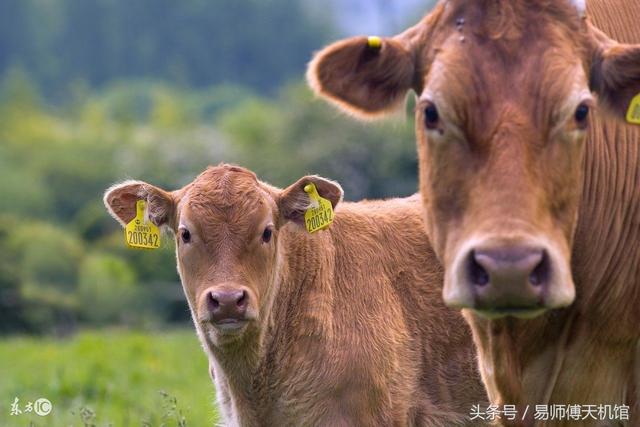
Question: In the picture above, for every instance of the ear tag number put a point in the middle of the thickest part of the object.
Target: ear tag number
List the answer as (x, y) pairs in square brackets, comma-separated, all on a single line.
[(320, 215), (633, 115), (140, 232)]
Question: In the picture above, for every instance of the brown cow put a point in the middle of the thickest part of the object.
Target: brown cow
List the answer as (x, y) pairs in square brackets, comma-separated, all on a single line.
[(532, 199), (340, 327)]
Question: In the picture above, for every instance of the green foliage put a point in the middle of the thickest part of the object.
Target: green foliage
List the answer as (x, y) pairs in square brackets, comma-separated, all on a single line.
[(110, 377), (105, 289), (68, 259), (193, 42), (296, 135), (48, 255)]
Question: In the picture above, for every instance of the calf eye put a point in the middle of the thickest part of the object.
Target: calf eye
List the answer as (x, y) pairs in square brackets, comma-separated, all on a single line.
[(185, 235), (431, 116), (266, 234), (582, 113)]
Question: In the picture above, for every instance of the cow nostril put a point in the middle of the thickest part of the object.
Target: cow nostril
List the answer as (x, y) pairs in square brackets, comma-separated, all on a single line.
[(212, 302), (540, 273), (477, 273), (242, 300)]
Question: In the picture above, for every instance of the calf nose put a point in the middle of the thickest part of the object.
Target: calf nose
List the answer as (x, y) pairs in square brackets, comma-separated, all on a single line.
[(509, 277), (227, 305)]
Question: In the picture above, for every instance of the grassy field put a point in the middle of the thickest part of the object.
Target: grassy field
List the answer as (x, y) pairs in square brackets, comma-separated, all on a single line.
[(112, 377)]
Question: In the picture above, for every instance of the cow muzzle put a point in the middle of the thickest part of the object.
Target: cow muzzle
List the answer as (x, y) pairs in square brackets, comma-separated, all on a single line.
[(520, 278), (227, 308)]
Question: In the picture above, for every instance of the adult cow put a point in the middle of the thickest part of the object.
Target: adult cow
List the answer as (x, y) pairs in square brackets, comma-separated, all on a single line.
[(531, 195), (343, 327)]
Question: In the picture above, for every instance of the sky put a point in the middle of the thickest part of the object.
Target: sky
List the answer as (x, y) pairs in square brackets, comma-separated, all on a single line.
[(378, 17)]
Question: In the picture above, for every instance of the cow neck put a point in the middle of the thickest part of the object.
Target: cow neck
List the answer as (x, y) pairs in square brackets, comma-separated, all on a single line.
[(301, 309), (235, 364), (605, 261), (606, 253), (295, 323), (511, 345)]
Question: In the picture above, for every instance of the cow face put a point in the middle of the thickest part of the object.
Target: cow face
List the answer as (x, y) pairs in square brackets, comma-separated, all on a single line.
[(226, 225), (505, 93)]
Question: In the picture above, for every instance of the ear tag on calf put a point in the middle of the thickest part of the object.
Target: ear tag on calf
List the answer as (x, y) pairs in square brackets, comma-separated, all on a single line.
[(320, 215), (374, 42), (140, 232), (633, 115)]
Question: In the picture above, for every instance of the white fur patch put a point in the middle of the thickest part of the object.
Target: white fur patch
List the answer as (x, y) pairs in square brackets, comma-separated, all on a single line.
[(580, 5)]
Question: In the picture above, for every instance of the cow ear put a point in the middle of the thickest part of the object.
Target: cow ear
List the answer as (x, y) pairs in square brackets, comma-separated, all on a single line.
[(293, 201), (363, 76), (121, 199), (615, 74)]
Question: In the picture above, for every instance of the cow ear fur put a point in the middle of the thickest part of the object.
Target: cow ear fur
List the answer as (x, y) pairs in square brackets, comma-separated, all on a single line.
[(121, 199), (293, 201), (361, 79)]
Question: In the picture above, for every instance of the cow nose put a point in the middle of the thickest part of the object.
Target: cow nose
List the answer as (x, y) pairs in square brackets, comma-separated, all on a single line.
[(227, 305), (508, 277)]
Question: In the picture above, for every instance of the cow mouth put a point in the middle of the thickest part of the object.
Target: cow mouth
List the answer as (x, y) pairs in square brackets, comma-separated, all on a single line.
[(230, 325), (528, 312)]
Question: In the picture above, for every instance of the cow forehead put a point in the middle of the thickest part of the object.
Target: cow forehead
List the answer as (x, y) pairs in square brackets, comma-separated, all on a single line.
[(464, 74), (503, 16), (509, 33), (225, 202), (478, 69)]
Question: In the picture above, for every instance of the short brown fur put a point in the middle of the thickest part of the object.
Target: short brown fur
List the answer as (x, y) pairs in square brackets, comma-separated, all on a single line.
[(348, 327), (509, 163)]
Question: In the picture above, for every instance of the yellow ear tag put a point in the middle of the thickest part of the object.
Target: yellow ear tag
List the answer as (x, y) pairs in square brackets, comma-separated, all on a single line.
[(374, 42), (140, 232), (633, 115), (320, 215)]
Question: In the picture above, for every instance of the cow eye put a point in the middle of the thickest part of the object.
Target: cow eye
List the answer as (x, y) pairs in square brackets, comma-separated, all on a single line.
[(266, 234), (185, 235), (582, 114), (431, 116)]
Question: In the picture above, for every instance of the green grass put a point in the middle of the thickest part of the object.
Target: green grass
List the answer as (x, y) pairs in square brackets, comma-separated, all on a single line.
[(112, 377)]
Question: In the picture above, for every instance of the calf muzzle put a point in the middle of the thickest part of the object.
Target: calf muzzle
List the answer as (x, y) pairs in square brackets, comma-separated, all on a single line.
[(226, 308)]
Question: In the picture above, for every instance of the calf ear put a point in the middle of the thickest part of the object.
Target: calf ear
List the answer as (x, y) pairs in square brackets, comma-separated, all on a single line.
[(364, 76), (121, 199), (293, 201), (615, 74)]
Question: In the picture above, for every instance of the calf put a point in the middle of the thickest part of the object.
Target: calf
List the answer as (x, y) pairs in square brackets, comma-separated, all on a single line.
[(340, 327)]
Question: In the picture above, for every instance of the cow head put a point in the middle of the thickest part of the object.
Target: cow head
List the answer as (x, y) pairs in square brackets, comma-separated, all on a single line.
[(505, 94), (226, 225)]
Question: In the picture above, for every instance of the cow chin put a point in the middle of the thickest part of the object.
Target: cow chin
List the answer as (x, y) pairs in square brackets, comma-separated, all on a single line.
[(520, 277)]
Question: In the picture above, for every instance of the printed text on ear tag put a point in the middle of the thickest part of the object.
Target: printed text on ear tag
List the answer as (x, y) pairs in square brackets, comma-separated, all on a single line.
[(140, 232), (320, 215), (633, 115)]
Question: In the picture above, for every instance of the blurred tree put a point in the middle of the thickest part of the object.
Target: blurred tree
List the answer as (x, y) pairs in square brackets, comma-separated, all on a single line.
[(12, 305), (296, 135), (48, 258), (193, 42), (106, 289), (62, 252)]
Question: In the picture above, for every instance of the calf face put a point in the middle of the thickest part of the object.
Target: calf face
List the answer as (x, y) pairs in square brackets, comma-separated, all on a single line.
[(226, 225), (505, 90)]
